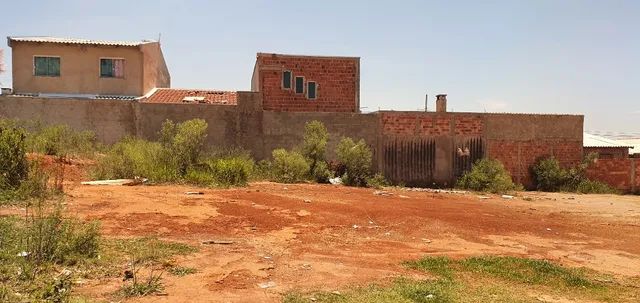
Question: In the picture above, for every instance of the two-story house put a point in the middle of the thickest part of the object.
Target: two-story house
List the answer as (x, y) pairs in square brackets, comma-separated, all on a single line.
[(47, 66)]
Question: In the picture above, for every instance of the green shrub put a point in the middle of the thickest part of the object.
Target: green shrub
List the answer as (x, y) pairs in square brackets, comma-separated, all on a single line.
[(314, 143), (232, 171), (263, 170), (289, 167), (188, 143), (13, 160), (132, 157), (59, 140), (549, 175), (321, 172), (487, 175), (377, 181), (356, 158)]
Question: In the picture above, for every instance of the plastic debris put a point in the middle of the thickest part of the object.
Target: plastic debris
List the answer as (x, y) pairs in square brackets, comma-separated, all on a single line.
[(507, 197), (267, 284), (335, 181), (222, 242), (117, 182), (194, 193)]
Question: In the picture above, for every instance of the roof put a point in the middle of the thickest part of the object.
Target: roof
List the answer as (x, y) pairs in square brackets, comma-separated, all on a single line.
[(590, 140), (76, 41), (174, 95)]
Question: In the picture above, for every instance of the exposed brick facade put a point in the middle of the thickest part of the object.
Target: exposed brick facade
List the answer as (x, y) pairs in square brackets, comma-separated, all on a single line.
[(519, 156), (608, 152), (415, 123), (622, 174), (337, 78)]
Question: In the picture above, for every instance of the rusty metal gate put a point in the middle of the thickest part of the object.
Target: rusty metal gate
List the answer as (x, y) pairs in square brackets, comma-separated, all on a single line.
[(410, 161), (465, 153)]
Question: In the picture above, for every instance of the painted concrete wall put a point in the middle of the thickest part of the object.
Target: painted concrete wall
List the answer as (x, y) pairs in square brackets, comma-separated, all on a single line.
[(337, 78), (80, 69)]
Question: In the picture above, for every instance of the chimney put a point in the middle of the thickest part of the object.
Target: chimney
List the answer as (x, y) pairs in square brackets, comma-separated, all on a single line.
[(426, 101), (441, 103)]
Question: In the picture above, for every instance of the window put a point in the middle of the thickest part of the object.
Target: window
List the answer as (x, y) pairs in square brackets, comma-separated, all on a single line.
[(46, 66), (311, 90), (112, 68), (299, 85), (286, 79)]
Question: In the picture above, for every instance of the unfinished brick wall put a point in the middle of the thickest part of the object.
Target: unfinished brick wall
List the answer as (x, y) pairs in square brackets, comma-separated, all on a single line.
[(337, 78), (431, 124), (622, 174), (608, 152), (519, 156)]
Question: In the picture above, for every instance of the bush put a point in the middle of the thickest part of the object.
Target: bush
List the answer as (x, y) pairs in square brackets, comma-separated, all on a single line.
[(356, 158), (289, 167), (321, 172), (549, 175), (13, 160), (188, 142), (232, 170), (60, 140), (377, 181), (314, 145), (487, 175)]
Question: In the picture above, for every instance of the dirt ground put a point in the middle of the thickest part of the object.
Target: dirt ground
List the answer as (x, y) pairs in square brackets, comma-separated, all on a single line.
[(326, 237)]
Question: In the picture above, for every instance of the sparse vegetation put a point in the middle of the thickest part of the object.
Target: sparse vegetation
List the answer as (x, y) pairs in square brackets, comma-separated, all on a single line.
[(314, 147), (182, 271), (550, 176), (289, 167), (356, 158), (377, 181), (488, 175)]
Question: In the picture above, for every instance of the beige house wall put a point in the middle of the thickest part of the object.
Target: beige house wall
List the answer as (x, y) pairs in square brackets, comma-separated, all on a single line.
[(144, 69)]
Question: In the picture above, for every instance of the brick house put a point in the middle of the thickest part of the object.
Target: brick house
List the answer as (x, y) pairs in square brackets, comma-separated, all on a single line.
[(307, 83), (606, 148), (48, 66)]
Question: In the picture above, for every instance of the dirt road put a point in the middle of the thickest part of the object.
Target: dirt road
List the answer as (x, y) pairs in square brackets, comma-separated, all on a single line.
[(310, 237)]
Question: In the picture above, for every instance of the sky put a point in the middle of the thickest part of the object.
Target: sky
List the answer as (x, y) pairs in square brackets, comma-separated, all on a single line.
[(537, 56)]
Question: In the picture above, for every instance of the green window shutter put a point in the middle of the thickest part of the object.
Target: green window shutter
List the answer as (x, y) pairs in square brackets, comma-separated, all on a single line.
[(41, 66), (299, 85), (54, 66), (106, 68), (286, 79), (311, 90)]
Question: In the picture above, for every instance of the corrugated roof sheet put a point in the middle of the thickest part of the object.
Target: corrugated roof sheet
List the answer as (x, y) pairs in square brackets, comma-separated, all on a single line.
[(590, 140), (78, 41), (195, 96)]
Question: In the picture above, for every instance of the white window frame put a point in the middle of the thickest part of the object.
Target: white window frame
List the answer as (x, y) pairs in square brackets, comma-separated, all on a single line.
[(303, 85), (307, 90), (292, 79), (124, 72), (33, 62)]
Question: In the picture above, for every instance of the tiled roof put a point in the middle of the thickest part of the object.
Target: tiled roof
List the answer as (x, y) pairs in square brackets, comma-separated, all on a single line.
[(77, 41), (173, 95), (590, 140)]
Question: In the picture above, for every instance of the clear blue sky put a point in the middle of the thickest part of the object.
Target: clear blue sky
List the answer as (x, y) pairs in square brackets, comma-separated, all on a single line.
[(517, 56)]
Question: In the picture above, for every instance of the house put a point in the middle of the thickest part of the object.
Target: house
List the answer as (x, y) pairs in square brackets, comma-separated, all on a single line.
[(48, 66), (606, 148), (307, 83), (198, 96)]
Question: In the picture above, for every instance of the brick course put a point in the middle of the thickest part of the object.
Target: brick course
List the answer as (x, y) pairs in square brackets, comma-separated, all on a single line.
[(429, 124), (337, 78)]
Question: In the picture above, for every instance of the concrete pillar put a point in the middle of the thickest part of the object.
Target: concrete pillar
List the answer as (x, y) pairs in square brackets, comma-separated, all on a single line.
[(441, 103)]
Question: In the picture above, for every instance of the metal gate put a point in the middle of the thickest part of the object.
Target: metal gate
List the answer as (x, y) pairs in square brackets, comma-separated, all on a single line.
[(410, 161), (465, 153)]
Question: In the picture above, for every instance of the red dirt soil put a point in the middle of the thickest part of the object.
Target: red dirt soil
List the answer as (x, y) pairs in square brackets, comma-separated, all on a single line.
[(310, 237)]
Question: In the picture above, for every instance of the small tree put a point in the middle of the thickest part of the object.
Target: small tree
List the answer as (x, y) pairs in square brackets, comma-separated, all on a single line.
[(184, 141), (356, 158), (314, 148)]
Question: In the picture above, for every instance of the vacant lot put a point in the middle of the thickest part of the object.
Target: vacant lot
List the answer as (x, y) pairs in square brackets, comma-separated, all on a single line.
[(305, 238)]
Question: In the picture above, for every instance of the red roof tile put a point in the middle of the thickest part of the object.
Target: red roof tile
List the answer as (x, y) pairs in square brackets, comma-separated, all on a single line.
[(171, 95)]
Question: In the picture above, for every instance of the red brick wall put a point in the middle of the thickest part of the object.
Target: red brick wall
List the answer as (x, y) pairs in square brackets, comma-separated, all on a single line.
[(608, 152), (337, 78), (519, 156), (622, 174), (406, 123)]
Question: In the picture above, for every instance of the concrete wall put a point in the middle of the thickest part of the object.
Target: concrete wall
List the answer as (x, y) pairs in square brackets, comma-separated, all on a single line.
[(80, 69), (337, 78), (418, 147)]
